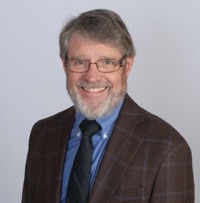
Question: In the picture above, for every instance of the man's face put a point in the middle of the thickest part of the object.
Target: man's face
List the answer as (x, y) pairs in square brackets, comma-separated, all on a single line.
[(95, 94)]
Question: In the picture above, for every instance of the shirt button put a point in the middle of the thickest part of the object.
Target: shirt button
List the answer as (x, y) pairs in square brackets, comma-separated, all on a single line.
[(105, 136), (78, 134)]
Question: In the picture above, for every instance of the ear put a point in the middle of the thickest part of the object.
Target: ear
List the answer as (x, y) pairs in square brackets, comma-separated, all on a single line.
[(129, 65), (64, 67)]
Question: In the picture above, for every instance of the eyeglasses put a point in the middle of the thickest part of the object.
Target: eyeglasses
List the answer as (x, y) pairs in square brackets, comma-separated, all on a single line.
[(103, 65)]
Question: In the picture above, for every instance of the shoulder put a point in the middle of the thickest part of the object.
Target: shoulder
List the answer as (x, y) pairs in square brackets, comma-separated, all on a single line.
[(156, 128), (51, 125), (55, 119), (157, 137)]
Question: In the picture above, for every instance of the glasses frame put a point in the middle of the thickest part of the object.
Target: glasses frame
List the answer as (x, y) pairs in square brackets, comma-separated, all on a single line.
[(120, 61)]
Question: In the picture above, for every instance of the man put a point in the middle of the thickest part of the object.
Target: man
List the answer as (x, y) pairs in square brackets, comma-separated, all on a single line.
[(136, 156)]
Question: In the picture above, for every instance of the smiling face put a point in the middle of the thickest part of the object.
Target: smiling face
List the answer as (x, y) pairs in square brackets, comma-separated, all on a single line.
[(95, 94)]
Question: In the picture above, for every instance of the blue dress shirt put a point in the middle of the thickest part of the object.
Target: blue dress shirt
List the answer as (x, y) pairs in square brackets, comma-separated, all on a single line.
[(99, 142)]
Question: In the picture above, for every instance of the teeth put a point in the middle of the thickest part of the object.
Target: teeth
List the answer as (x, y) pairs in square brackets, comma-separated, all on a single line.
[(94, 89)]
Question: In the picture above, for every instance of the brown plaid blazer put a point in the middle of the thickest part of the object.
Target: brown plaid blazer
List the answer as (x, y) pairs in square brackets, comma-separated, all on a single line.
[(146, 160)]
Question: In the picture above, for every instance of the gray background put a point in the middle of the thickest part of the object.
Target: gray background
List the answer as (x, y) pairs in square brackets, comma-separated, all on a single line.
[(164, 80)]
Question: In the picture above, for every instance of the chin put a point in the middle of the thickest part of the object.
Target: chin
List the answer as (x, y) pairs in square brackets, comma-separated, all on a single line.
[(92, 110), (98, 109)]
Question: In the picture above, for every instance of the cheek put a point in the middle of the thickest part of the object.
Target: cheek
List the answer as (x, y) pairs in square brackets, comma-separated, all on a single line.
[(72, 79), (118, 81)]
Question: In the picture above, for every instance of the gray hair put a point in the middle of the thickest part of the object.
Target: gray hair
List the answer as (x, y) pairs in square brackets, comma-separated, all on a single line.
[(100, 25)]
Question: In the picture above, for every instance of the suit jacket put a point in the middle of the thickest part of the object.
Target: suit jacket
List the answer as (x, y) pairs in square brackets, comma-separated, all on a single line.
[(146, 160)]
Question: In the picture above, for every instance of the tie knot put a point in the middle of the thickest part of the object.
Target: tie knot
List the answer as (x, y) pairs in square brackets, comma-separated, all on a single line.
[(89, 127)]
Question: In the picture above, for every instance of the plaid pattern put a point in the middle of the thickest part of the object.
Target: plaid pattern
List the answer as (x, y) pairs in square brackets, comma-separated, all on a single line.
[(146, 161)]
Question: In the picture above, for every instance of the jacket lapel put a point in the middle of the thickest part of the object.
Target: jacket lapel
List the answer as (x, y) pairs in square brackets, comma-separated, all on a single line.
[(121, 149), (56, 145)]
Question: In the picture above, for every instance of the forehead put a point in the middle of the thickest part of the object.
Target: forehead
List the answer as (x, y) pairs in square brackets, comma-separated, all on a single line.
[(80, 45)]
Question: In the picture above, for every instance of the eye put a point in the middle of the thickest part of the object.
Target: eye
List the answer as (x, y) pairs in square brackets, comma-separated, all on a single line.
[(79, 62), (108, 62)]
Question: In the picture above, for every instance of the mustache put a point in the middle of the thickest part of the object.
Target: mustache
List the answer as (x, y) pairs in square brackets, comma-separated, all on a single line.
[(94, 84)]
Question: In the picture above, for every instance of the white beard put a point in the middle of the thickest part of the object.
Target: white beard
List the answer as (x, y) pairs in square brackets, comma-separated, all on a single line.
[(94, 111)]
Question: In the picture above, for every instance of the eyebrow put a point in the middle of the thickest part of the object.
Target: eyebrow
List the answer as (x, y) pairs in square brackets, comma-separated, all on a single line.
[(82, 57)]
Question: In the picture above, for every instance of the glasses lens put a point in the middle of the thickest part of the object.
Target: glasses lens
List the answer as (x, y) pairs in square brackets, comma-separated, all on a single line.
[(108, 65), (79, 66)]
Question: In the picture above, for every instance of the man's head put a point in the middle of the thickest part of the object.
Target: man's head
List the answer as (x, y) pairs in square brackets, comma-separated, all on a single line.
[(97, 53)]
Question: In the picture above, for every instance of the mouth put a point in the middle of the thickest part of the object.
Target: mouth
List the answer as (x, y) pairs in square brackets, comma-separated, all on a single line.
[(94, 89)]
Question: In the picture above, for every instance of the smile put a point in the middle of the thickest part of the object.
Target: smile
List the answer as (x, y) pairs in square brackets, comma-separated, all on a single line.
[(94, 90)]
